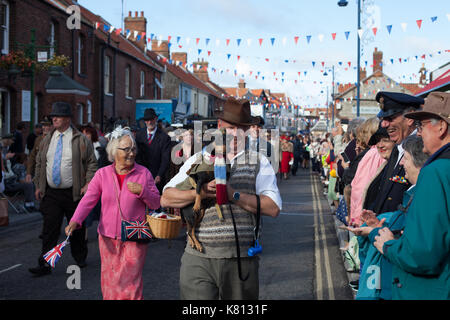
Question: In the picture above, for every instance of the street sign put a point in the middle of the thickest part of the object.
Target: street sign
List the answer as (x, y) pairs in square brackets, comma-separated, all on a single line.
[(42, 56)]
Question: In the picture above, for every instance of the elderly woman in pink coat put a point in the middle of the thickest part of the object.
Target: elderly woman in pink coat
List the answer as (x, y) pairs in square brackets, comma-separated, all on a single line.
[(131, 185)]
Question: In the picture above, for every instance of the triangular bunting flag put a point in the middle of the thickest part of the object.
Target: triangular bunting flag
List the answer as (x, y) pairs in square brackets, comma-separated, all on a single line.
[(228, 42), (260, 41), (169, 38), (320, 37), (238, 42), (333, 35), (347, 33), (360, 33), (272, 40), (374, 30), (308, 38), (228, 55), (197, 40), (209, 53), (178, 39), (419, 23), (389, 28), (404, 24), (433, 19), (313, 63), (238, 57), (207, 41), (296, 40)]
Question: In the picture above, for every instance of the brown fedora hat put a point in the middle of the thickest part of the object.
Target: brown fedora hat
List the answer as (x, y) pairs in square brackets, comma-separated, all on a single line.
[(437, 105), (237, 112)]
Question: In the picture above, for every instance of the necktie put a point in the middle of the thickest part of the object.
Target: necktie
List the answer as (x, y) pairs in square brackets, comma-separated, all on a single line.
[(150, 138), (56, 171)]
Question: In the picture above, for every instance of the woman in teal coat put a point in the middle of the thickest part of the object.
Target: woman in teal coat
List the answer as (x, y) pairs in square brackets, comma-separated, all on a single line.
[(376, 275)]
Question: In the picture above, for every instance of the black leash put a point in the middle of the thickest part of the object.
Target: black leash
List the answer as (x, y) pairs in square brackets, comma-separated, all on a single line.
[(238, 250)]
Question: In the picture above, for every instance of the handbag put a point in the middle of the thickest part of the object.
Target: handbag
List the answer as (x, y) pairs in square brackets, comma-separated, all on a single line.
[(137, 231)]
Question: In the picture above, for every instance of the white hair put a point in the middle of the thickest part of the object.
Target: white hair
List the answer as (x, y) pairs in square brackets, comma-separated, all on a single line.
[(114, 139)]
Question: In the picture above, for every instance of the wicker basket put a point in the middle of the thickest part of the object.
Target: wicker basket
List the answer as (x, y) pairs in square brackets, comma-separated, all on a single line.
[(165, 228)]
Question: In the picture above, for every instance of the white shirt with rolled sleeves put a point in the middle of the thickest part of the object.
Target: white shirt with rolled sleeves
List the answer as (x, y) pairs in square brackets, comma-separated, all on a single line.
[(266, 180)]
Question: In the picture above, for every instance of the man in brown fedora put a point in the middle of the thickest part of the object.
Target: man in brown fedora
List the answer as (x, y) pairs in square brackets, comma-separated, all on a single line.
[(212, 274), (420, 257), (65, 164)]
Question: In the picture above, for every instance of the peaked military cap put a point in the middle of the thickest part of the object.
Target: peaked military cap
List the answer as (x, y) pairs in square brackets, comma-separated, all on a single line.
[(396, 102)]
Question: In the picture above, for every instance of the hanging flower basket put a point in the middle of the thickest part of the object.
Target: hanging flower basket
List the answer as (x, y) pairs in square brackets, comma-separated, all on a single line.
[(15, 62), (55, 65)]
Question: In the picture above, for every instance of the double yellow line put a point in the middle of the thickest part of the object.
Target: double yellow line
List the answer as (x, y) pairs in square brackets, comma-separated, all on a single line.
[(320, 236)]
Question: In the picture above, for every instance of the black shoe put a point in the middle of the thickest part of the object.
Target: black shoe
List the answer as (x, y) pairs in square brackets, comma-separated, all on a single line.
[(30, 209), (40, 271)]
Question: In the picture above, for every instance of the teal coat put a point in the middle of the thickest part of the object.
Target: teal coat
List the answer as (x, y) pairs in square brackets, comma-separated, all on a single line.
[(375, 280), (421, 257)]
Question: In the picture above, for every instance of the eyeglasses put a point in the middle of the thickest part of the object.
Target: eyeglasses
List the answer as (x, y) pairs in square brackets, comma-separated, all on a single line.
[(421, 124), (128, 149)]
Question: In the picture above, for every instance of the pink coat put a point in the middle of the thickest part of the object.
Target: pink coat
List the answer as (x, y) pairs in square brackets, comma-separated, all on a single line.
[(367, 169), (104, 186)]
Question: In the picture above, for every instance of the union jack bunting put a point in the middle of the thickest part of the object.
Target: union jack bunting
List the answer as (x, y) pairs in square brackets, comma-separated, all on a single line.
[(136, 230), (55, 254)]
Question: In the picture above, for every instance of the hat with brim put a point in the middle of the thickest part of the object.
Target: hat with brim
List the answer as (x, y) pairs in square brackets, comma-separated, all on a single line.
[(237, 112), (150, 114), (378, 135), (46, 121), (392, 103), (61, 109), (437, 105)]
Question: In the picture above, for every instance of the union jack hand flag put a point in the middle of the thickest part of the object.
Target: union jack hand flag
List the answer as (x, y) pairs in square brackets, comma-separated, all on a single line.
[(55, 254), (137, 227)]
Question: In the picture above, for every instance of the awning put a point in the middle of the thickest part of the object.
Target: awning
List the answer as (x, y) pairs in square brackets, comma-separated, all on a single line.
[(442, 83), (64, 84)]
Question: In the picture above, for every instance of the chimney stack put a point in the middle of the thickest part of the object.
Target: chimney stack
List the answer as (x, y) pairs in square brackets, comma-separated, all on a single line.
[(138, 24), (180, 57), (362, 73), (241, 84), (201, 70), (377, 63), (162, 48)]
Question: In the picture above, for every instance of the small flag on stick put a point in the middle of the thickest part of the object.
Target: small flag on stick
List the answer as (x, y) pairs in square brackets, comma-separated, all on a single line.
[(53, 256)]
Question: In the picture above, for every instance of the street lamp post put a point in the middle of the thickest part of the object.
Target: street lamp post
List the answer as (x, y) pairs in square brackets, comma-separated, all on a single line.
[(343, 3)]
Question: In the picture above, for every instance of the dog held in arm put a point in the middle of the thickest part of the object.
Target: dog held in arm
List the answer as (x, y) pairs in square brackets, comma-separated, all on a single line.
[(212, 166)]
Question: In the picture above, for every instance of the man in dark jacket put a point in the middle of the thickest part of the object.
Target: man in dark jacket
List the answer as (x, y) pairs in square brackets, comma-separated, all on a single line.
[(298, 152), (154, 148), (393, 107)]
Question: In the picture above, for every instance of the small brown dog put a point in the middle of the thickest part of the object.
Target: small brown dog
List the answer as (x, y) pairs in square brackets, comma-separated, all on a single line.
[(198, 175)]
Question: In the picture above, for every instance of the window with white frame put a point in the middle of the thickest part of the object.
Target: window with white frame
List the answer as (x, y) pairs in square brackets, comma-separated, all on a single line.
[(4, 26), (142, 88), (52, 39), (127, 81), (81, 54), (89, 111), (107, 74)]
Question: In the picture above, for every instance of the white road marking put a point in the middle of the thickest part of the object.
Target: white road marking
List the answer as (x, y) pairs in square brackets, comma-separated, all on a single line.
[(10, 268)]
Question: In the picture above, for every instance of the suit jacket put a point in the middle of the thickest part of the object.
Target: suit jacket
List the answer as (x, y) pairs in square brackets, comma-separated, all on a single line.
[(390, 193), (156, 155)]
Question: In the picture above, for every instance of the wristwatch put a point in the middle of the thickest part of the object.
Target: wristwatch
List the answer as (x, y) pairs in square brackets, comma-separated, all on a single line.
[(236, 196)]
